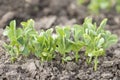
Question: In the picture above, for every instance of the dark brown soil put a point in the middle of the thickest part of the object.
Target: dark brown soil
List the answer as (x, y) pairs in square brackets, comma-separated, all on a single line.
[(48, 13)]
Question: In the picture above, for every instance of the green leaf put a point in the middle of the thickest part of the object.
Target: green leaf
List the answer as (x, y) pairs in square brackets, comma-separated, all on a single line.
[(21, 40), (60, 31), (49, 32), (37, 53), (97, 53), (19, 32), (26, 51), (88, 23), (87, 39), (100, 42), (77, 32), (63, 32), (90, 54), (69, 48), (12, 31), (68, 58), (103, 23), (24, 24), (67, 32), (111, 40), (13, 25), (44, 54), (30, 23)]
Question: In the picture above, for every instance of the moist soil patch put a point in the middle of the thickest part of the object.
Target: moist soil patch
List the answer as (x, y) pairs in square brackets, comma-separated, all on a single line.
[(53, 13)]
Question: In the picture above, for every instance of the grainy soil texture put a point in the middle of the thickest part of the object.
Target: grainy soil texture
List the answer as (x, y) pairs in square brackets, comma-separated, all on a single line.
[(47, 14)]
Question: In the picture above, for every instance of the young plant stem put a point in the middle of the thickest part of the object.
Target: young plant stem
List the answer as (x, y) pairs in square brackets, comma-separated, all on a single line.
[(18, 50), (89, 60), (95, 63), (76, 56)]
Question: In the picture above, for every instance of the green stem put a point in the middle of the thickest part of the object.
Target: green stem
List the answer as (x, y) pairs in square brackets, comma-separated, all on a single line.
[(95, 63), (18, 50), (89, 60), (76, 56)]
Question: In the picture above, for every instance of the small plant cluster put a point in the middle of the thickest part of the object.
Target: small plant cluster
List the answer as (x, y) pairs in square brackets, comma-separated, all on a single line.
[(96, 5), (26, 40)]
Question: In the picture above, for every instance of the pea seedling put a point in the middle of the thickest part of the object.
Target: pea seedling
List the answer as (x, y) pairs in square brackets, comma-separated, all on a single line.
[(13, 34), (96, 40), (77, 42), (28, 37), (20, 38), (45, 45), (63, 42)]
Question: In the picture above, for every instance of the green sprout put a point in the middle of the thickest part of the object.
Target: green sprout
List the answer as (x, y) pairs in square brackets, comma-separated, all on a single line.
[(77, 42), (97, 40), (63, 42), (45, 45), (13, 34), (20, 38)]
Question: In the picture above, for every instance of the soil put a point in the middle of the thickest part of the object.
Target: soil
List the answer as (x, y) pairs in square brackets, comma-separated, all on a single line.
[(47, 14)]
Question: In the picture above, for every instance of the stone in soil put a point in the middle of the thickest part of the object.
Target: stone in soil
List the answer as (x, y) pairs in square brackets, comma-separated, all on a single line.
[(81, 75), (108, 63), (31, 66), (45, 22), (107, 75), (71, 66), (117, 53), (8, 16)]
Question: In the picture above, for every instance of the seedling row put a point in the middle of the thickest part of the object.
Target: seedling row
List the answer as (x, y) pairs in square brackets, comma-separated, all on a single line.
[(44, 45)]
